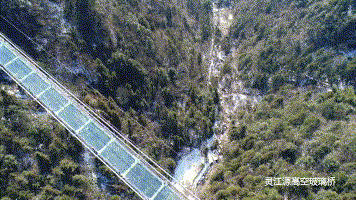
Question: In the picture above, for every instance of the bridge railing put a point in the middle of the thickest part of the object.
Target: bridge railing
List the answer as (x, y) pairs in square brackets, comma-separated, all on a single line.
[(103, 140)]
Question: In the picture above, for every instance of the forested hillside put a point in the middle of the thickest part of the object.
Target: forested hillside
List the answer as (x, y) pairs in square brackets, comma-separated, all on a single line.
[(296, 55), (289, 134), (131, 58), (144, 66), (294, 42), (140, 64), (38, 157)]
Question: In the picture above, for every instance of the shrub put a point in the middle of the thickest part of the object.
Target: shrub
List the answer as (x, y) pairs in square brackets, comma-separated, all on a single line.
[(333, 111), (350, 185), (222, 194), (260, 82), (320, 152), (327, 194), (277, 126), (277, 81), (168, 163), (257, 160), (226, 69), (238, 132), (297, 119), (289, 153), (43, 161), (233, 151), (218, 175), (306, 162), (310, 125), (248, 143), (277, 103), (262, 114), (330, 164), (234, 164), (80, 181)]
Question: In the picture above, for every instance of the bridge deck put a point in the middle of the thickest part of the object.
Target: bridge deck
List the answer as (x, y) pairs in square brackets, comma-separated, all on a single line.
[(125, 162)]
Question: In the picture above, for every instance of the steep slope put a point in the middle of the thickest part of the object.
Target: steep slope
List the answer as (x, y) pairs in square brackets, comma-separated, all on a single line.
[(292, 53), (39, 159), (140, 64)]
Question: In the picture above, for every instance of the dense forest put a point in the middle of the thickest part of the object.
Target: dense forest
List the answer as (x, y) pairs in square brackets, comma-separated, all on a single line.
[(127, 62), (290, 133), (144, 64), (39, 158), (138, 64), (292, 42), (294, 53)]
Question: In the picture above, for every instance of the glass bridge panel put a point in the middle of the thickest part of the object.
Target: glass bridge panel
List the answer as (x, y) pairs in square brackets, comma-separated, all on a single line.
[(167, 194), (18, 69), (53, 100), (94, 136), (73, 117), (5, 55), (118, 157), (115, 153), (35, 84), (144, 180)]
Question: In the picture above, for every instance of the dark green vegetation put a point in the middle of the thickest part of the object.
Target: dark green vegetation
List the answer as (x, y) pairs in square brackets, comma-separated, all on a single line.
[(143, 67), (139, 65), (290, 134), (148, 68), (293, 41), (38, 157), (22, 16), (285, 49)]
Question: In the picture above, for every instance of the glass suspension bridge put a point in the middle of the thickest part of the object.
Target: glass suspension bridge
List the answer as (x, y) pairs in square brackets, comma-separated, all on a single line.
[(107, 144)]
